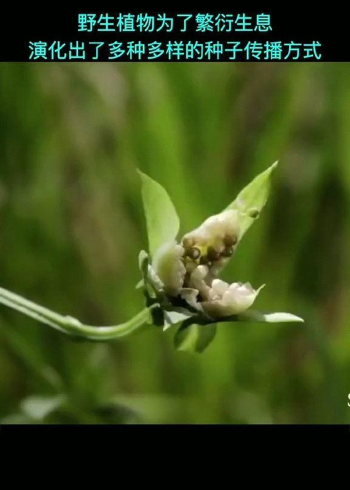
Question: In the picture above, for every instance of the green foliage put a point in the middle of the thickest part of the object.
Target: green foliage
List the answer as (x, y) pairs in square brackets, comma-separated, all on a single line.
[(251, 200), (278, 317), (162, 230), (195, 338), (72, 136), (162, 220)]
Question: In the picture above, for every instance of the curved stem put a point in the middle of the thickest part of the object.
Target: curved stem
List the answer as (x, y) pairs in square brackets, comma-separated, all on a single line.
[(71, 326), (135, 324)]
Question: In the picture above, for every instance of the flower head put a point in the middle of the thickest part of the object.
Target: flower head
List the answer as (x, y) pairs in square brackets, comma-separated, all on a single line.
[(188, 272), (182, 277)]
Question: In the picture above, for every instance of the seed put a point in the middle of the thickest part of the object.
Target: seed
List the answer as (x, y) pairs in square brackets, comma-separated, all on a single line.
[(194, 253), (204, 260), (213, 254), (188, 242), (253, 213), (230, 240), (227, 252)]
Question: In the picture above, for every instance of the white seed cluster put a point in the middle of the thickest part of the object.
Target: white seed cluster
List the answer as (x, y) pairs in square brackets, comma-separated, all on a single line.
[(212, 243)]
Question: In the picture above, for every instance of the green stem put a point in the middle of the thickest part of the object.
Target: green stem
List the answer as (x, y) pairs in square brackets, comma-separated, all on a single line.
[(71, 326)]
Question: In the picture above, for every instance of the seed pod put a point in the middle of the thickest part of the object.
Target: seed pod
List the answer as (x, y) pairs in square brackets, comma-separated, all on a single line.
[(253, 213), (188, 242), (230, 240), (204, 260), (194, 253), (227, 252)]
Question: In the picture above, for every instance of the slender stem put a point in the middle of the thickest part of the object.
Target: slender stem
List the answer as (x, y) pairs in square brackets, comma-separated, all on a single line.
[(135, 324), (71, 326)]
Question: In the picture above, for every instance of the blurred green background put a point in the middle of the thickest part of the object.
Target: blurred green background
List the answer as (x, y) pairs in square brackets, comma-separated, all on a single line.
[(71, 227)]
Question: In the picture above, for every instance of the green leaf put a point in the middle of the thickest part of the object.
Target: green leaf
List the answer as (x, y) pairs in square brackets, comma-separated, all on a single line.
[(39, 407), (194, 338), (163, 317), (161, 217), (174, 317), (251, 200), (278, 317)]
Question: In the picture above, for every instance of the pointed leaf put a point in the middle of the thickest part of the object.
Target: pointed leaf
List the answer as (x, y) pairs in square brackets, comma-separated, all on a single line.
[(195, 338), (173, 317), (251, 200), (161, 217), (278, 317)]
